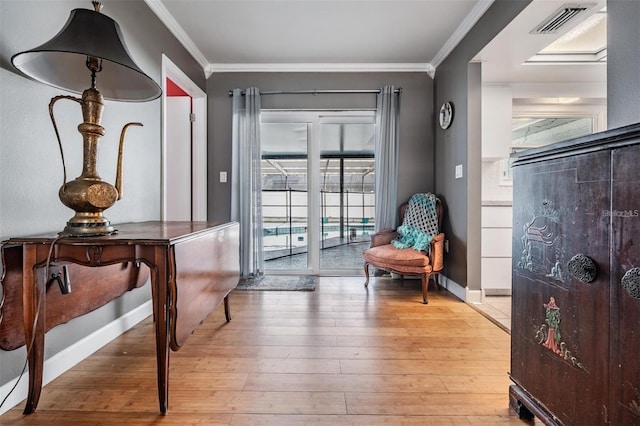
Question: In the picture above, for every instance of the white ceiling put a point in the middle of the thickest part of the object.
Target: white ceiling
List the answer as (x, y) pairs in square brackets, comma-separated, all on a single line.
[(358, 35), (319, 34)]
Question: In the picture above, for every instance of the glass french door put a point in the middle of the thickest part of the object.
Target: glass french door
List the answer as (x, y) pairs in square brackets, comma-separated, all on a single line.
[(285, 201), (318, 199)]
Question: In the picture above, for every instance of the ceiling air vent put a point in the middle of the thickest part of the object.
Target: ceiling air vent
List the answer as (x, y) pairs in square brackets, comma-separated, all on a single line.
[(560, 17)]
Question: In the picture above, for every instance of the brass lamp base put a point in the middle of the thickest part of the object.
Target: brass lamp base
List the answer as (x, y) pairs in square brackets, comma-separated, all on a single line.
[(88, 225), (88, 195)]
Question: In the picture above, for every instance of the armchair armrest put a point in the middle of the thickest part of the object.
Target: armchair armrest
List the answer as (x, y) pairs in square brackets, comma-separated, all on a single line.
[(436, 252), (383, 237)]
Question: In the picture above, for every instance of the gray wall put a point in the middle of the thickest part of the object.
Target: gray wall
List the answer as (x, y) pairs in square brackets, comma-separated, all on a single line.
[(416, 155), (30, 166), (456, 82), (623, 62)]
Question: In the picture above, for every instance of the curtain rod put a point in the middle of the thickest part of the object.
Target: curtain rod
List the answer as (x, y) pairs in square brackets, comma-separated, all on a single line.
[(317, 91)]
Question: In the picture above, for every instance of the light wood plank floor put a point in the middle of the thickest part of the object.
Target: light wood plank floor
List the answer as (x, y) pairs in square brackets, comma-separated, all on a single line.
[(341, 355)]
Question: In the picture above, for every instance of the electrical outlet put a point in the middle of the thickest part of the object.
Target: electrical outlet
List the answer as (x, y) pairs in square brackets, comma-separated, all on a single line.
[(223, 177)]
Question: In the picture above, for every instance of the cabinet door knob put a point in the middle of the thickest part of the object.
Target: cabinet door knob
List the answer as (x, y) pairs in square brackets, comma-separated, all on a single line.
[(582, 268), (631, 282)]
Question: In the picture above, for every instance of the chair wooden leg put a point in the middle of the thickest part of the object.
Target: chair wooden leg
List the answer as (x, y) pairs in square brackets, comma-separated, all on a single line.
[(425, 287), (227, 311), (366, 273)]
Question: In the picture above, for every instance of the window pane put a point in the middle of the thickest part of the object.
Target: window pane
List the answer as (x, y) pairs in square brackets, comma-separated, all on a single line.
[(284, 195)]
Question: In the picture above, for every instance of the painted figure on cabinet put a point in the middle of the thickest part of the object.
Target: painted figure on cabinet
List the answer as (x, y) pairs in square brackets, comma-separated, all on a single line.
[(550, 337), (552, 318)]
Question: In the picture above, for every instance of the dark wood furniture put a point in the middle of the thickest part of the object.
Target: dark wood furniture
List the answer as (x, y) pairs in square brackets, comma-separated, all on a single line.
[(193, 267), (576, 281), (383, 255)]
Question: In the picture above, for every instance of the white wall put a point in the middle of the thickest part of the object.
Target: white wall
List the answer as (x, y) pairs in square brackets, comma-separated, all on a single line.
[(497, 103)]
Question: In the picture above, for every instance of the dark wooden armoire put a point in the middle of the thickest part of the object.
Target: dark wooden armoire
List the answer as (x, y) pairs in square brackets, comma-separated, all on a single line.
[(575, 331)]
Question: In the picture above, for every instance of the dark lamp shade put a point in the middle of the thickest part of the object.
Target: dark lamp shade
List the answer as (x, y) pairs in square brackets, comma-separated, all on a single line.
[(61, 62)]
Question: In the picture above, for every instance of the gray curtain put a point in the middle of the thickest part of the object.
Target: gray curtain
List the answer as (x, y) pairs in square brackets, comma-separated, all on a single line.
[(246, 180), (386, 160)]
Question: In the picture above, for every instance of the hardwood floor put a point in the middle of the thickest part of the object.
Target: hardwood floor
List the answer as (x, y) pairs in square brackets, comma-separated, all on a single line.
[(340, 355)]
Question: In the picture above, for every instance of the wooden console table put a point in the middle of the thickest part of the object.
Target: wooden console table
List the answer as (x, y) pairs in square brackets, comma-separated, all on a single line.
[(193, 267)]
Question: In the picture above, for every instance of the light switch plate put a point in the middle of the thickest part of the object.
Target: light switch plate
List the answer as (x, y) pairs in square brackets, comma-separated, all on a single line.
[(223, 177), (458, 171)]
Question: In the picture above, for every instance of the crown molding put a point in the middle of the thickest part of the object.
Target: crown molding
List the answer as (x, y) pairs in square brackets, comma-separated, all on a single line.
[(169, 21), (431, 70), (469, 21), (320, 67)]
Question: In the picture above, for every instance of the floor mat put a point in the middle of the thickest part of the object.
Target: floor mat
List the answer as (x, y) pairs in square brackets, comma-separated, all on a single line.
[(279, 283)]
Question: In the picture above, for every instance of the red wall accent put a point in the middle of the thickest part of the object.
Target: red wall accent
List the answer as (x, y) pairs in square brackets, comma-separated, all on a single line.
[(175, 90)]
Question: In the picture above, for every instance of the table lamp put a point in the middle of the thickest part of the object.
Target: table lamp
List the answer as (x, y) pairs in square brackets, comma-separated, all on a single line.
[(89, 49)]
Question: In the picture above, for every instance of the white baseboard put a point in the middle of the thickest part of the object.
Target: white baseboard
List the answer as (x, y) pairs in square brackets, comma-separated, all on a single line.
[(68, 357), (474, 296), (461, 292), (453, 287)]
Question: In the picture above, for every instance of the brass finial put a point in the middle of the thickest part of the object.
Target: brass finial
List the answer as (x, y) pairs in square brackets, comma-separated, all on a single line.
[(97, 6)]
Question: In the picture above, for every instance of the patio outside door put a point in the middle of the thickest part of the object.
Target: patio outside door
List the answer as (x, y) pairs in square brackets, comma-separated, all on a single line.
[(318, 190)]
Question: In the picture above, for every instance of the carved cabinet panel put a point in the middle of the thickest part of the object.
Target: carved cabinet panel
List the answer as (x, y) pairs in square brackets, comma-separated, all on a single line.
[(625, 286), (576, 235)]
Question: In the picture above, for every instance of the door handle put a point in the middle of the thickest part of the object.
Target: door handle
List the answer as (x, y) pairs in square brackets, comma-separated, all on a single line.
[(631, 282), (582, 268)]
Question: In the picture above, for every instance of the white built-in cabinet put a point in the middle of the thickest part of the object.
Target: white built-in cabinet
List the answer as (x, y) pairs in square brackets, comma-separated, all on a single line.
[(496, 247)]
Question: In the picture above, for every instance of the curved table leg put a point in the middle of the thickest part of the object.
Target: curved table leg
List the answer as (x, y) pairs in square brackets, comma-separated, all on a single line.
[(33, 302)]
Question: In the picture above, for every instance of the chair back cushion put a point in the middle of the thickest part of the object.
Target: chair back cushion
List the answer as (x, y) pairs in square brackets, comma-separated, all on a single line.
[(420, 223)]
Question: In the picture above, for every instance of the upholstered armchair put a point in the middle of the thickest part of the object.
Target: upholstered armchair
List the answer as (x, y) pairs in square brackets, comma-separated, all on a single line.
[(382, 254)]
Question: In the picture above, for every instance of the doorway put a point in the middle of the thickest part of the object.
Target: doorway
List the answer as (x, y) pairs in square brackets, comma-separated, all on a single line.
[(179, 147), (184, 141), (318, 182)]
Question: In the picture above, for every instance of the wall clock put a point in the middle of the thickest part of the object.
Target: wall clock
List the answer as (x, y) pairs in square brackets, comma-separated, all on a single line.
[(446, 115)]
